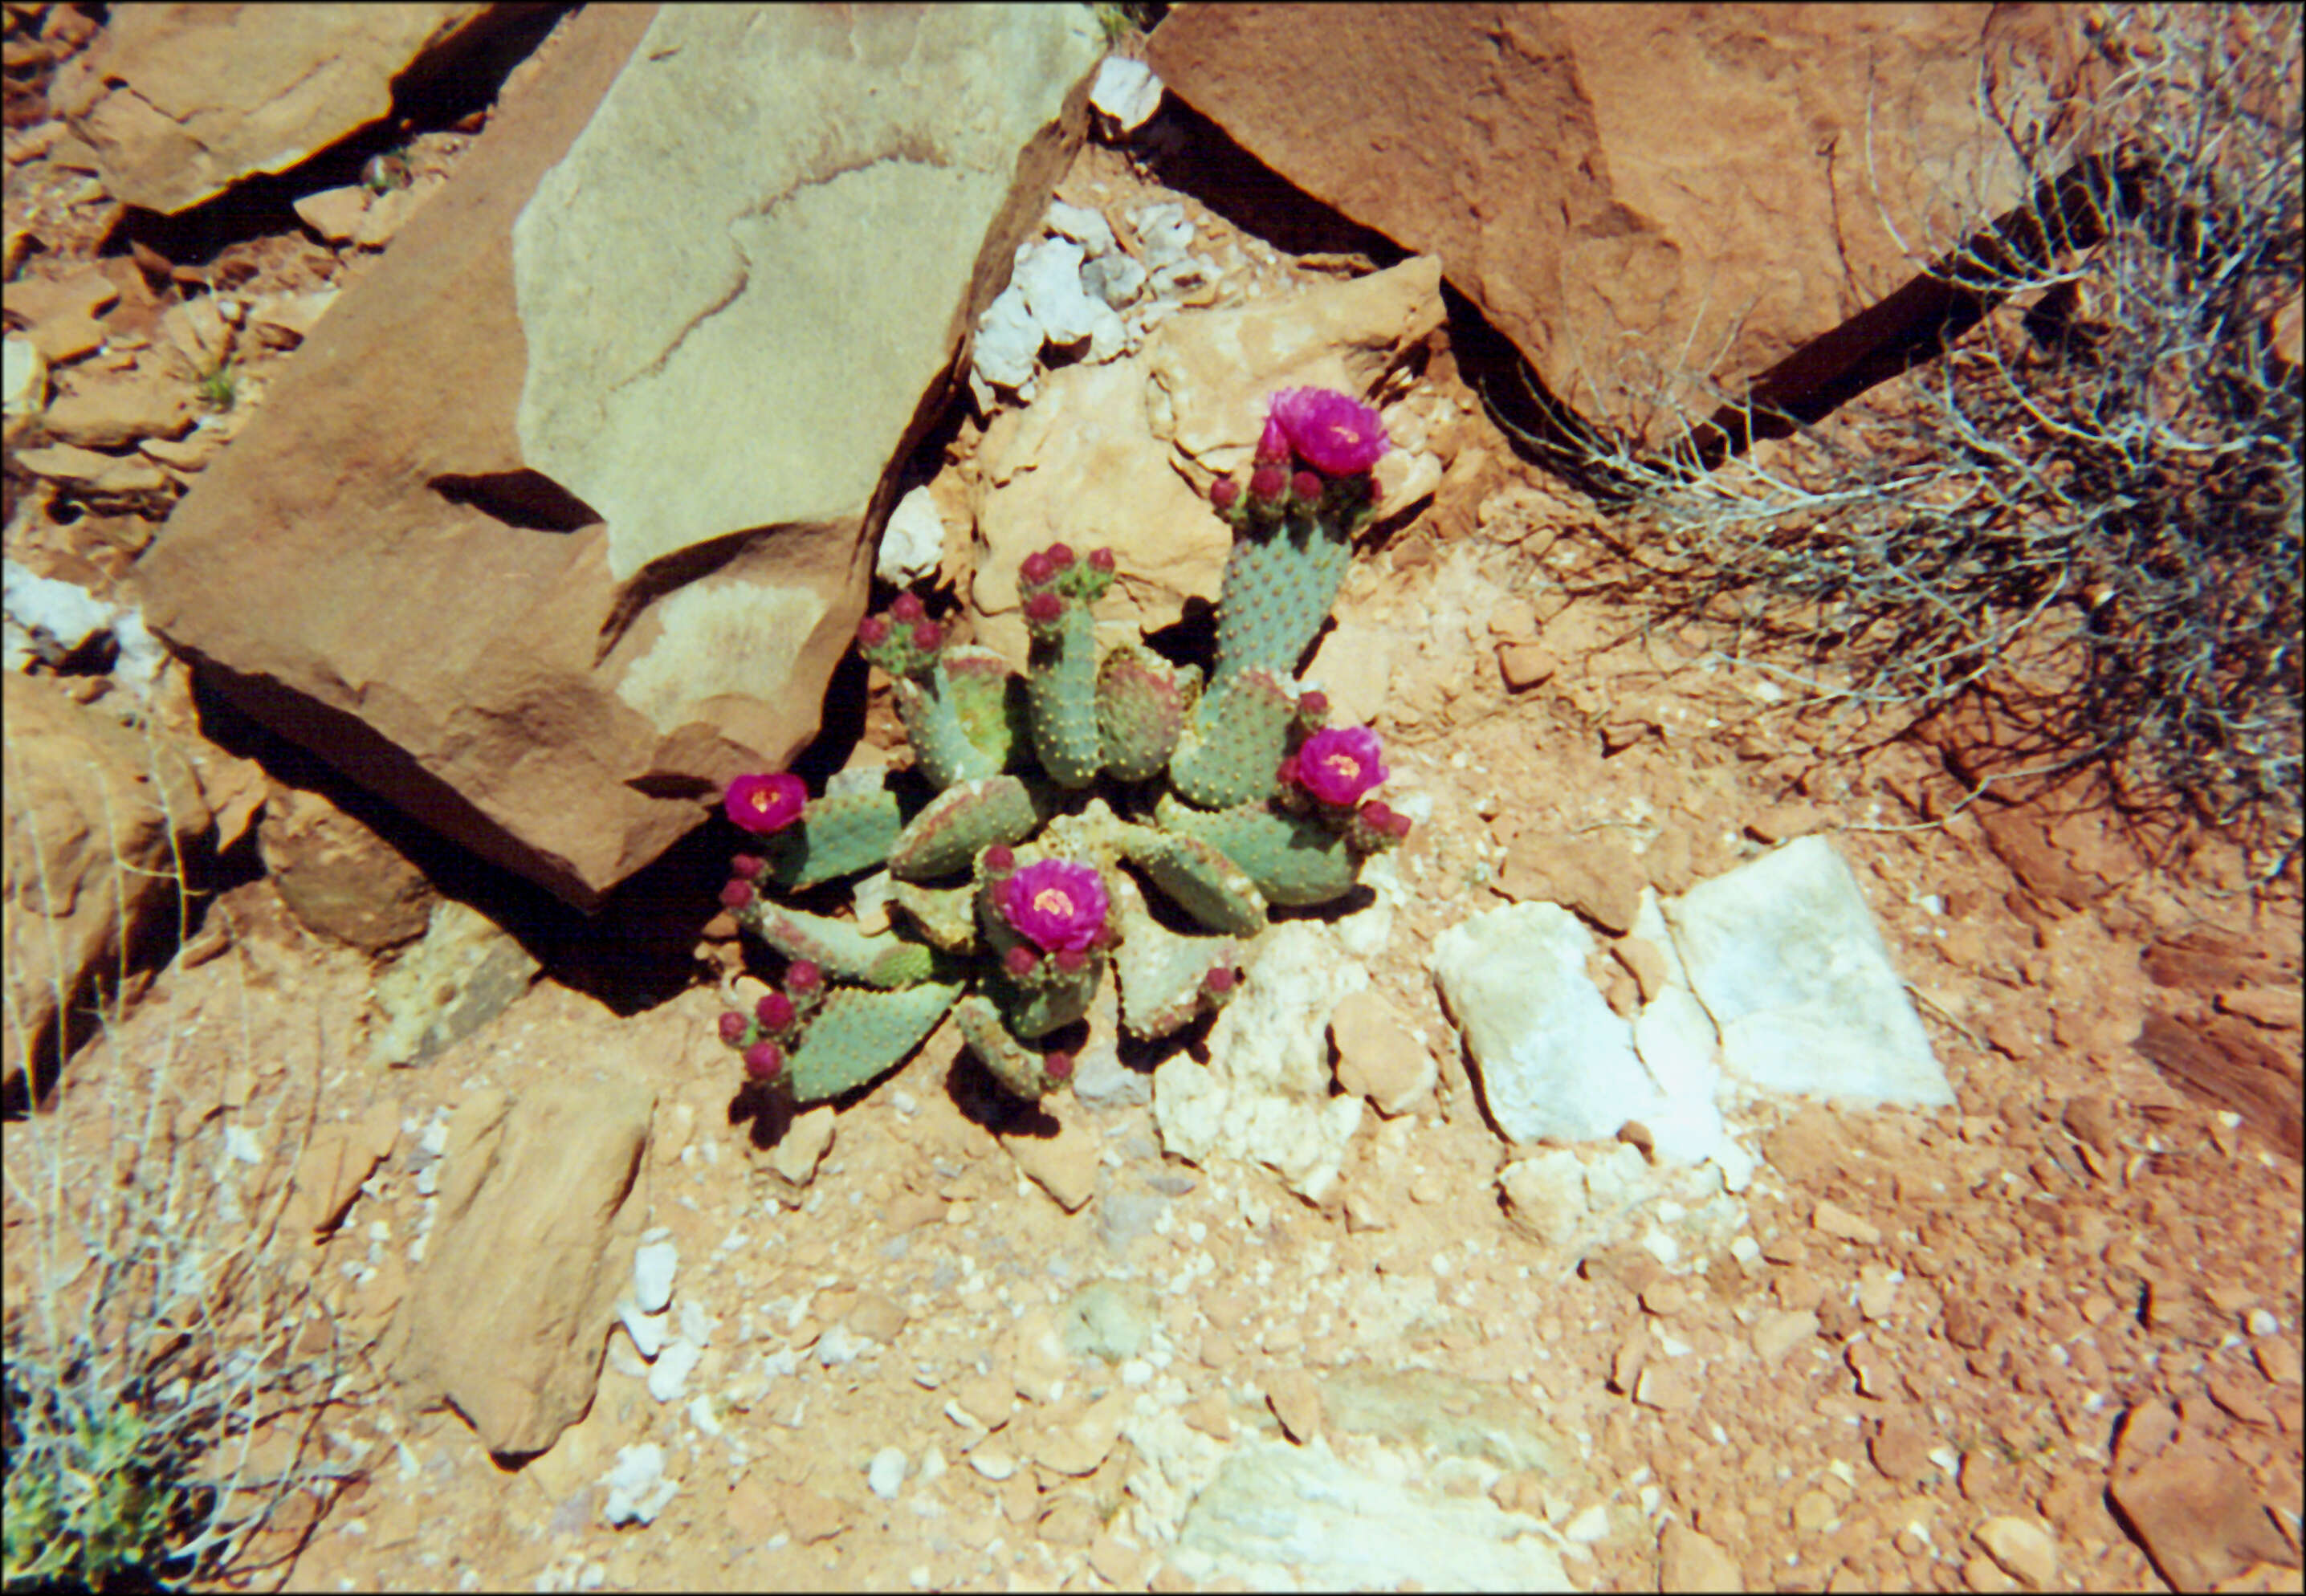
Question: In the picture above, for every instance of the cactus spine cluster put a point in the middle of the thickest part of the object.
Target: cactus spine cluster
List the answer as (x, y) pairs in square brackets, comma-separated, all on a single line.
[(1014, 887)]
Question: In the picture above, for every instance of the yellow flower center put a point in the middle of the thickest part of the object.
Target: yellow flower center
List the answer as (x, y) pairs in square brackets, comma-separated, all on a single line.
[(1345, 766), (1052, 900)]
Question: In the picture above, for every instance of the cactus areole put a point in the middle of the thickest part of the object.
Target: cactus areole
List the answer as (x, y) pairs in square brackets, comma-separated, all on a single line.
[(1062, 794)]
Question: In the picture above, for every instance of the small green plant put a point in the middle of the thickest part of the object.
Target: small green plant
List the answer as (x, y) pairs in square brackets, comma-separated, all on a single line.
[(1117, 19), (220, 386)]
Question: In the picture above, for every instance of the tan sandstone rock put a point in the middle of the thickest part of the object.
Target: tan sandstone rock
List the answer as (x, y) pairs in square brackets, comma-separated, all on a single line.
[(540, 1208), (91, 809), (1636, 182), (543, 623)]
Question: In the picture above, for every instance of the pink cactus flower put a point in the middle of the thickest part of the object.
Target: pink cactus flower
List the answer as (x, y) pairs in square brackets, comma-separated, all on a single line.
[(1056, 905), (733, 1029), (1336, 435), (763, 804), (1340, 764), (764, 1061)]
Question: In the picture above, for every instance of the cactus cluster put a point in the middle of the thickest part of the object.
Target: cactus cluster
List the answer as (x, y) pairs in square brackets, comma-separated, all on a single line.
[(1014, 889)]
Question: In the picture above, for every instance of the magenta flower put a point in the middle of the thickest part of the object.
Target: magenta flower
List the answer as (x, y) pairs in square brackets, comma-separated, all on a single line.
[(765, 804), (1340, 765), (1055, 905), (1332, 434)]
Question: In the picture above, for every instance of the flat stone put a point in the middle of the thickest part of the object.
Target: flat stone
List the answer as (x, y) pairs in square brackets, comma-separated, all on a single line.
[(1263, 1097), (90, 810), (2025, 1550), (117, 409), (180, 102), (1598, 877), (338, 876), (1610, 263), (464, 972), (1376, 1057), (1690, 1561), (333, 213), (2199, 1518), (91, 472), (513, 1338), (875, 202), (1554, 1063), (1786, 958), (1277, 1515), (1064, 1166)]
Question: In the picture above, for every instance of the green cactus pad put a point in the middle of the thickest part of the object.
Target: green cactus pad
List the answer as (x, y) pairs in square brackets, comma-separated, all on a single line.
[(859, 1034), (837, 947), (1293, 861), (946, 915), (1142, 701), (1162, 974), (1201, 880), (1014, 1065), (839, 835), (962, 821), (943, 750), (1279, 584), (1040, 1004), (1240, 730), (1060, 697), (989, 697)]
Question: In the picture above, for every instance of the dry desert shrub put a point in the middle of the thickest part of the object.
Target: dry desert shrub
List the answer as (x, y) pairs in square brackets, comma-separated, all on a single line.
[(2080, 505), (168, 1369)]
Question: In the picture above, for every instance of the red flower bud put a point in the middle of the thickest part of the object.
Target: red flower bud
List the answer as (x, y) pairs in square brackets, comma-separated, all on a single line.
[(733, 1029), (1070, 960), (736, 894), (1057, 1066), (1268, 483), (1101, 559), (1000, 858), (873, 631), (774, 1011), (1312, 704), (906, 607), (1044, 608), (1021, 961), (803, 976), (1036, 569), (1223, 492), (764, 1061), (927, 636), (746, 865), (1307, 486), (1220, 980), (1061, 555)]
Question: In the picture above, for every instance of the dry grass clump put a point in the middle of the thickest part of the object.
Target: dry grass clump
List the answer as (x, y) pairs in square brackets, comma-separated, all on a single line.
[(2093, 470), (168, 1367)]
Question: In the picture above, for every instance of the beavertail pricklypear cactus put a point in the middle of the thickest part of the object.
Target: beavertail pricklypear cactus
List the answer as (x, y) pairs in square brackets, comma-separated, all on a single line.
[(1013, 888)]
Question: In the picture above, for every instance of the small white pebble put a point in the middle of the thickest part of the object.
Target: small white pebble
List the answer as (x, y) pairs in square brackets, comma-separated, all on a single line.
[(1588, 1526), (996, 1466), (2262, 1323), (652, 1270), (886, 1473)]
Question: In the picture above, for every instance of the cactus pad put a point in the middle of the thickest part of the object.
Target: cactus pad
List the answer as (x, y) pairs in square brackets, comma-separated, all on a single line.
[(1278, 586), (837, 947), (1239, 732), (1014, 1064), (1201, 880), (946, 915), (958, 822), (1060, 695), (1165, 977), (1142, 701), (1293, 861), (839, 835), (859, 1034)]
